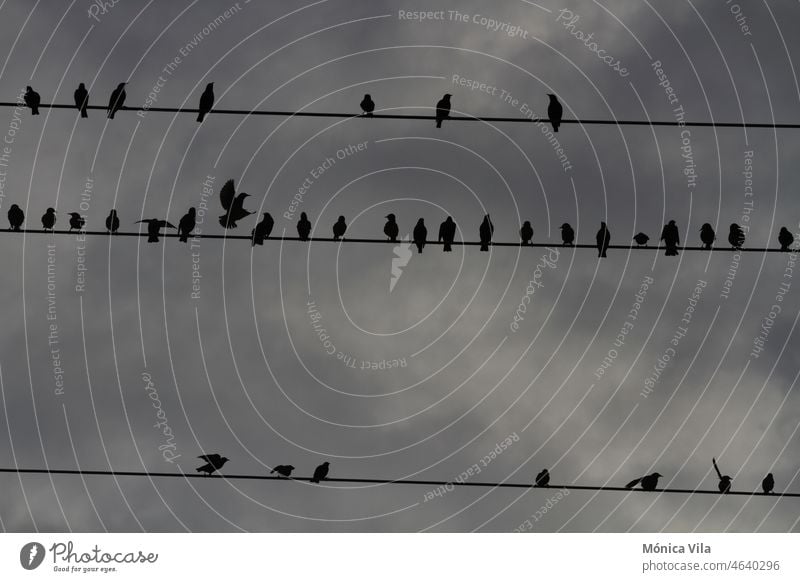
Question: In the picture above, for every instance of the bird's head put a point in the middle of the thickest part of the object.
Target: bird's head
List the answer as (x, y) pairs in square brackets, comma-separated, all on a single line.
[(224, 460), (29, 88), (447, 96), (367, 96), (81, 86), (390, 217), (326, 464), (602, 224), (526, 223), (210, 86), (341, 219), (449, 219), (122, 85), (672, 223), (51, 211), (303, 216), (657, 475), (421, 221), (552, 97), (565, 225), (192, 212), (74, 215)]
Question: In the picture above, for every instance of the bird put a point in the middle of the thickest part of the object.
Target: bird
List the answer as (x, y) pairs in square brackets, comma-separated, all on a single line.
[(603, 239), (641, 239), (768, 484), (543, 478), (707, 236), (206, 102), (785, 238), (567, 235), (736, 236), (233, 205), (283, 470), (443, 109), (339, 228), (724, 482), (154, 226), (82, 99), (391, 229), (49, 219), (15, 217), (367, 105), (649, 482), (117, 100), (303, 226), (671, 238), (112, 221), (32, 100), (447, 233), (213, 463), (320, 472), (554, 112), (186, 225), (486, 231), (420, 234), (526, 233), (76, 221), (262, 229)]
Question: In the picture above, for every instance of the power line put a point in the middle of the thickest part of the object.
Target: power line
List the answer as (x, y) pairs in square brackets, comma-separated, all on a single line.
[(387, 482)]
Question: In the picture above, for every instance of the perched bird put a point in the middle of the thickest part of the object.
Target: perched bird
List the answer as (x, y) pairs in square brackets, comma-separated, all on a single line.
[(303, 227), (420, 234), (671, 238), (443, 109), (283, 470), (641, 239), (82, 99), (785, 238), (603, 239), (262, 230), (649, 482), (526, 233), (186, 225), (117, 100), (154, 226), (768, 484), (339, 228), (15, 217), (112, 221), (447, 233), (32, 100), (367, 105), (567, 235), (554, 112), (707, 235), (724, 482), (206, 102), (320, 472), (543, 478), (391, 229), (213, 463), (76, 221), (736, 236), (233, 205), (486, 231), (49, 219)]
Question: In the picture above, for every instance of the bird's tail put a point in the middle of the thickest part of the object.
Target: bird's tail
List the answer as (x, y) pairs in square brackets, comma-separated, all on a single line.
[(83, 113), (200, 116), (35, 111), (184, 238), (438, 123), (633, 483)]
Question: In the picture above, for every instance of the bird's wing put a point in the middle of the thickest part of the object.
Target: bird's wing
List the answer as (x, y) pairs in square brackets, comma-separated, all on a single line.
[(140, 221), (633, 483), (213, 458), (227, 194), (166, 224)]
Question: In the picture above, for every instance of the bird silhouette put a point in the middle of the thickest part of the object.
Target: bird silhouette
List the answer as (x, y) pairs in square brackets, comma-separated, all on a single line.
[(213, 463), (233, 205), (367, 105), (671, 238), (303, 227), (447, 233), (262, 230), (283, 470), (526, 233), (554, 112), (76, 221), (391, 229), (32, 100), (707, 236), (768, 484), (641, 239), (443, 109), (112, 221), (339, 228), (82, 99), (785, 238), (154, 226), (724, 482), (186, 225), (15, 217), (603, 239), (321, 472), (649, 482), (543, 478), (49, 219), (206, 102), (567, 235), (420, 234), (486, 231), (736, 236), (117, 100)]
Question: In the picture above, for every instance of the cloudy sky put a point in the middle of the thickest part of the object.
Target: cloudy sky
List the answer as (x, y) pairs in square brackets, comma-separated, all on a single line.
[(140, 357)]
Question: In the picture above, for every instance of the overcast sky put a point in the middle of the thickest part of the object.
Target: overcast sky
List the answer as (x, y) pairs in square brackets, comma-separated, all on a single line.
[(216, 346)]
